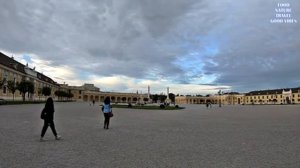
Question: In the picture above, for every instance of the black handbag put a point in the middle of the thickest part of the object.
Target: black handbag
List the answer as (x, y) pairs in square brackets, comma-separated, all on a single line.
[(43, 114), (111, 114)]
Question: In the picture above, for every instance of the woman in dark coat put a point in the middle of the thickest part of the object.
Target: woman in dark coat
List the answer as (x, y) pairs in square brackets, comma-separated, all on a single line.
[(48, 113)]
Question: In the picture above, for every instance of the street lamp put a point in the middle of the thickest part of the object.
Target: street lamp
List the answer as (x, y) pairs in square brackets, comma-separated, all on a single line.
[(220, 97)]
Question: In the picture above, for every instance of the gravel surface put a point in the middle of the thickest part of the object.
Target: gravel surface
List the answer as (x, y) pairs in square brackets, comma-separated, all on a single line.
[(227, 137)]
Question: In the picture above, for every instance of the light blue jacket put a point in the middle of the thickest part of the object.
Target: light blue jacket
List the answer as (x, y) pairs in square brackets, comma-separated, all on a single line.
[(106, 108)]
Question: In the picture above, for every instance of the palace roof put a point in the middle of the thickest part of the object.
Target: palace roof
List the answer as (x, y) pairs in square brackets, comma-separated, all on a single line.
[(11, 63), (273, 91)]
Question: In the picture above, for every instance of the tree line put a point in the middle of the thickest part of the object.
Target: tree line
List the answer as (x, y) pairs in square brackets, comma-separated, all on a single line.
[(28, 87), (155, 98)]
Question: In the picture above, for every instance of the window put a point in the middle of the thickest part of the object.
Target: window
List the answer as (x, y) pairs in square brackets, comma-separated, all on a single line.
[(4, 90), (5, 74)]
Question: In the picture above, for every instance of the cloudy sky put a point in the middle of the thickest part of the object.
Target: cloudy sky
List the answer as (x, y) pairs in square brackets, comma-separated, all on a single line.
[(191, 46)]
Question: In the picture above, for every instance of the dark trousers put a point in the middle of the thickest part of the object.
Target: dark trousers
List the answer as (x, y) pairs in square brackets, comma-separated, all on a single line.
[(106, 120), (45, 127)]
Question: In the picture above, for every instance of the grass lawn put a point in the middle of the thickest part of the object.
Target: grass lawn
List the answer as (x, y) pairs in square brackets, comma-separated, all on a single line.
[(149, 107)]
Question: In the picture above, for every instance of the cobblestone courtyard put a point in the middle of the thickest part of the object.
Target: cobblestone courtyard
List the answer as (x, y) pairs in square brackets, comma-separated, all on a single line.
[(231, 136)]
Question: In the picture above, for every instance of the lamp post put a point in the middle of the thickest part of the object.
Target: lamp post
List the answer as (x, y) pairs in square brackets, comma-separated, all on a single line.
[(220, 98)]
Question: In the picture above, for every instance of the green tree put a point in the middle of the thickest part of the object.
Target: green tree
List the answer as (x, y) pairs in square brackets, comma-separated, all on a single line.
[(70, 95), (162, 98), (172, 97), (154, 98), (59, 94), (62, 94), (24, 87), (30, 88), (12, 86), (1, 83), (39, 93), (46, 91)]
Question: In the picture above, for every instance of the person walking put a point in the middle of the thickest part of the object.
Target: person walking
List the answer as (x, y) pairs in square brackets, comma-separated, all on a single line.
[(48, 116), (106, 109)]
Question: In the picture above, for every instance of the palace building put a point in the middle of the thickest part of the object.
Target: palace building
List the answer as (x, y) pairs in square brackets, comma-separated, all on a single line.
[(12, 70), (276, 96), (224, 99), (88, 93)]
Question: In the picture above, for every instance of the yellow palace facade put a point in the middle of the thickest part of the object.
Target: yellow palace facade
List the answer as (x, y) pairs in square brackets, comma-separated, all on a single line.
[(89, 93), (225, 99), (275, 96)]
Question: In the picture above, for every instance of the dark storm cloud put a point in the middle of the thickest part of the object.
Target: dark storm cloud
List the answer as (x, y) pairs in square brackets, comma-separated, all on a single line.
[(143, 39), (120, 37)]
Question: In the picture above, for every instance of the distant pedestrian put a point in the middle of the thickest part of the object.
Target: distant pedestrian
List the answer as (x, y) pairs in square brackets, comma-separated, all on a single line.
[(107, 111), (207, 104), (93, 102), (48, 116)]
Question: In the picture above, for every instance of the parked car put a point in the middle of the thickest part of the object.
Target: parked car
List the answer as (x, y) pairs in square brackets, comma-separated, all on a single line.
[(2, 101)]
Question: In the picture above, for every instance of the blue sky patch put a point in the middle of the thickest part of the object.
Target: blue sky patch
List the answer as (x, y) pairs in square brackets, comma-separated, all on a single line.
[(27, 58)]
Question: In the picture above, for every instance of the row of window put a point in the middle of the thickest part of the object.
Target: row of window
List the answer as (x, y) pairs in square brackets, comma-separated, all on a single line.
[(270, 97), (267, 101)]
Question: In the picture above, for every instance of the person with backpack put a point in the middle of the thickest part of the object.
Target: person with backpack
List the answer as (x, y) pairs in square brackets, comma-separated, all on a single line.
[(107, 111), (48, 115)]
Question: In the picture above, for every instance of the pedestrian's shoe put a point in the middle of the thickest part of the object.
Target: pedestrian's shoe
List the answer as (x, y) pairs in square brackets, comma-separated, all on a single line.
[(42, 139), (58, 137)]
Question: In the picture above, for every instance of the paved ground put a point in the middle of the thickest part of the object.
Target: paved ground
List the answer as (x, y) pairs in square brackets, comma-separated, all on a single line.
[(227, 137)]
